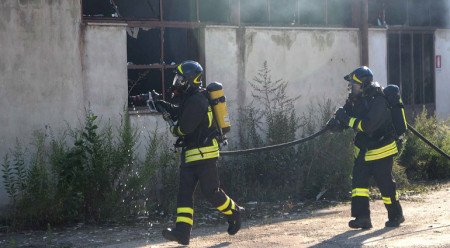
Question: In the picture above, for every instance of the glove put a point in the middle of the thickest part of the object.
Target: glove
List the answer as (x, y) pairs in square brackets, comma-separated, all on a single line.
[(175, 130), (342, 116), (334, 126), (162, 106)]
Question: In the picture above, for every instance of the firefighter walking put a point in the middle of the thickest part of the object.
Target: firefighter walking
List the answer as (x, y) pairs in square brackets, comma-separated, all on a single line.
[(198, 137), (367, 112)]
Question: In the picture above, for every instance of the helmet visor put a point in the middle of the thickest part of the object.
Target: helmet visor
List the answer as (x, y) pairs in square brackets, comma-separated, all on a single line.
[(178, 81)]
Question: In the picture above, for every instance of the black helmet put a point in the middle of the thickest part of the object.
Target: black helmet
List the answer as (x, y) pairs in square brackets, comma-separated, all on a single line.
[(361, 75), (188, 73)]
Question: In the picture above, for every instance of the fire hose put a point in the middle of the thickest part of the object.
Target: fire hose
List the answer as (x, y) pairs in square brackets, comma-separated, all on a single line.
[(322, 131)]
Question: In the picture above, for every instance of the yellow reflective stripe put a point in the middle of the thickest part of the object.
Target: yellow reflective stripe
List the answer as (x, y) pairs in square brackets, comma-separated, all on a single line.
[(225, 205), (200, 150), (185, 210), (202, 157), (387, 200), (351, 122), (210, 116), (356, 151), (179, 69), (179, 131), (360, 126), (382, 152), (233, 206), (360, 192), (185, 220), (404, 118), (196, 79), (228, 212), (396, 196), (356, 79)]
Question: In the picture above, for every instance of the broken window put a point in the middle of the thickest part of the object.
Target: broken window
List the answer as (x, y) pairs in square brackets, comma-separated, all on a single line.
[(312, 12), (138, 9), (215, 11), (419, 12), (180, 44), (411, 65), (396, 12), (376, 13), (143, 45), (179, 10), (254, 12), (98, 8), (439, 12), (283, 12), (339, 12)]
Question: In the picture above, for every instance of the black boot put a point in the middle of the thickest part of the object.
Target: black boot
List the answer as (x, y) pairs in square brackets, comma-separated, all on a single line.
[(395, 215), (360, 222), (234, 221), (180, 234), (395, 222)]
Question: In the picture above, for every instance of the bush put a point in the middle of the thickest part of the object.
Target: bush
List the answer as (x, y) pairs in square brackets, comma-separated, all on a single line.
[(321, 165), (97, 178), (419, 159)]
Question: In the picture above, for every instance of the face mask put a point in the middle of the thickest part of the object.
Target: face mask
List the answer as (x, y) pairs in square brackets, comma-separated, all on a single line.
[(354, 89), (178, 81)]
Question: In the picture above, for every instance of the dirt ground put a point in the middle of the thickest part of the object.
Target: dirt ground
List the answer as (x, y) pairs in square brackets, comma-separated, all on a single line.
[(427, 225)]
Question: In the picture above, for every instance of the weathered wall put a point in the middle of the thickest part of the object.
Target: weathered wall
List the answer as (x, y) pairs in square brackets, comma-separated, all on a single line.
[(313, 61), (378, 55), (105, 70), (442, 48), (40, 69)]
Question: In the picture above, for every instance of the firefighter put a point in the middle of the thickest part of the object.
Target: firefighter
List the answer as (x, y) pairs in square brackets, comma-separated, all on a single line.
[(367, 112), (196, 132)]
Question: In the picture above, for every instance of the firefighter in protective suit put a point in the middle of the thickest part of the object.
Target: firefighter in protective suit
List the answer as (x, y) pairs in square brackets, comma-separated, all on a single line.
[(196, 131), (367, 112)]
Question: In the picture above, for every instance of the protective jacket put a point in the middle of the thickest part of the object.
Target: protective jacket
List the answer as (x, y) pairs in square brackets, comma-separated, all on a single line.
[(196, 126), (370, 116)]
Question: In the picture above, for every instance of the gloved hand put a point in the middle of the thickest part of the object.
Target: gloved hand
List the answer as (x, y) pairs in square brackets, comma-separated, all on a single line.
[(342, 116), (334, 126)]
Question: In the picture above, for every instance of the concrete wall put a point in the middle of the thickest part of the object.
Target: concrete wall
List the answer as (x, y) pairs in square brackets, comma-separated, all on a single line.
[(442, 48), (40, 69), (378, 55), (313, 61), (105, 70)]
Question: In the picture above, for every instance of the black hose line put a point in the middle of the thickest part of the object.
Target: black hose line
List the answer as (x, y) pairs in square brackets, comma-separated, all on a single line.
[(322, 131), (277, 146), (414, 131)]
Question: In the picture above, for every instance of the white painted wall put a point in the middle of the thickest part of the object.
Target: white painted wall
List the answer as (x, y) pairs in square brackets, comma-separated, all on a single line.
[(105, 70), (313, 61), (442, 48), (40, 69), (378, 55)]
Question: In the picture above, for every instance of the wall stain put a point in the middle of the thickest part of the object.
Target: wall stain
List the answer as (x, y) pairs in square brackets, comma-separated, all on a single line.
[(285, 39), (323, 40), (248, 43)]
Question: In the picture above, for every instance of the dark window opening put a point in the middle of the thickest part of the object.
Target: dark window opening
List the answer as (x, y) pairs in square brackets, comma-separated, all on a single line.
[(138, 9), (396, 12), (99, 8), (141, 81), (312, 12), (143, 46), (419, 12), (411, 66), (215, 11), (180, 44), (377, 13), (339, 12), (283, 12), (179, 10), (439, 12), (254, 12)]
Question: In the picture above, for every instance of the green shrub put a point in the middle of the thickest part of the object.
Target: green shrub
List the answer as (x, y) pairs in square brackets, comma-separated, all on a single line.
[(419, 159), (320, 165)]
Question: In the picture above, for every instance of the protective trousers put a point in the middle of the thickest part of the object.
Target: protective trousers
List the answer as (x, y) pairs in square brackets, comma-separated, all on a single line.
[(204, 172), (381, 170)]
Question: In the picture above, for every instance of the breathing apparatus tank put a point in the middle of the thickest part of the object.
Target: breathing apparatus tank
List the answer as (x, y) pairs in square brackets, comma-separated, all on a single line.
[(217, 101)]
